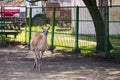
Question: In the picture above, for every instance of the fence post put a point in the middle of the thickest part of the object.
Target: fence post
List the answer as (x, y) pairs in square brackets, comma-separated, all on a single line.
[(2, 22), (30, 25), (106, 16), (77, 50), (26, 23), (53, 30)]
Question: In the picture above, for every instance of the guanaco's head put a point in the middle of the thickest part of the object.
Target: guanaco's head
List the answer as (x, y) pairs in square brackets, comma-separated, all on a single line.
[(45, 31)]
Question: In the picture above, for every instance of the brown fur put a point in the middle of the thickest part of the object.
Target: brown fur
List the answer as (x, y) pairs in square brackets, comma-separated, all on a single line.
[(39, 45), (37, 38)]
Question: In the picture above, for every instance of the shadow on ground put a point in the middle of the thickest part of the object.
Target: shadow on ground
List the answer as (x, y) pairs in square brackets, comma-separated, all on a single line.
[(16, 64)]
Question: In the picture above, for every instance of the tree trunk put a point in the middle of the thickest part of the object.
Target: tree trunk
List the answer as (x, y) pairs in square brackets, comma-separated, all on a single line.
[(99, 26)]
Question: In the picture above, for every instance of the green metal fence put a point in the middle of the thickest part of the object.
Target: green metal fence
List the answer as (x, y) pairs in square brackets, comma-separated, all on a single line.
[(72, 28), (114, 29), (67, 37)]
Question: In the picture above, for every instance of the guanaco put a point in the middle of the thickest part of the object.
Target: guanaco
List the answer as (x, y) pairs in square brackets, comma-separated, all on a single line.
[(38, 44)]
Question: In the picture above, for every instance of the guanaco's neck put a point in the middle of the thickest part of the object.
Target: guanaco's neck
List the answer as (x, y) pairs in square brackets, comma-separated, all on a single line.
[(44, 39)]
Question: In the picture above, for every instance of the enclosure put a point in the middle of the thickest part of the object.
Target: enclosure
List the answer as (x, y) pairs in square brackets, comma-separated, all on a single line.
[(70, 30)]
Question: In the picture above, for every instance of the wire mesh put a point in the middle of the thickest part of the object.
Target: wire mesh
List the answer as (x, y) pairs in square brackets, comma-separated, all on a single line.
[(114, 28), (65, 27)]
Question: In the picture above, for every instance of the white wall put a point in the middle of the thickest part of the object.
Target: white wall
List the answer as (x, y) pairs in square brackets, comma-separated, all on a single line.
[(85, 27), (88, 27), (114, 17)]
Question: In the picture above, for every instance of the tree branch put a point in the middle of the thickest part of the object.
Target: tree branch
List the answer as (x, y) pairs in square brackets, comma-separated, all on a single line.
[(32, 1)]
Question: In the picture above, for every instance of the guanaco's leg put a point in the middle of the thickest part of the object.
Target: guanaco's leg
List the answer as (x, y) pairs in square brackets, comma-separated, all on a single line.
[(40, 59), (36, 61)]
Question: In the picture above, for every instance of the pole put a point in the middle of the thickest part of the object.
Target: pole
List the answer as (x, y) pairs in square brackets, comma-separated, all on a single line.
[(30, 25), (52, 47), (107, 30), (77, 50), (53, 27), (77, 27)]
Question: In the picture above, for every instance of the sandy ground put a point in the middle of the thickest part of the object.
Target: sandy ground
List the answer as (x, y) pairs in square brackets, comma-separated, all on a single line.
[(16, 64)]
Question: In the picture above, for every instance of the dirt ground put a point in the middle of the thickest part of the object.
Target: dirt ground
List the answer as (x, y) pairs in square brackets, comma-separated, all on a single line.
[(16, 64)]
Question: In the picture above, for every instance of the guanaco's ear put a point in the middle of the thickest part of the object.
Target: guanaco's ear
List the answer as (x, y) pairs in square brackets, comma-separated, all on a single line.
[(48, 28), (42, 28)]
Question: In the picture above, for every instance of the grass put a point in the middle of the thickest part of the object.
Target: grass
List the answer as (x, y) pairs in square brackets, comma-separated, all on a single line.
[(64, 40), (116, 44)]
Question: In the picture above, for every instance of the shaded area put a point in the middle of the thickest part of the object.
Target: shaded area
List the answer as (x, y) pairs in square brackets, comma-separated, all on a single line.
[(16, 64)]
